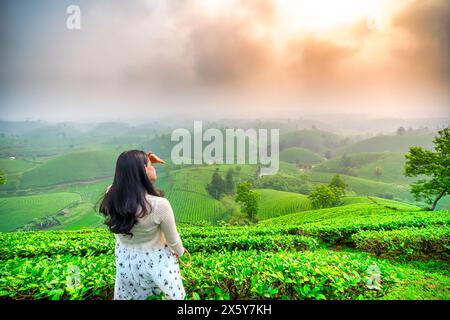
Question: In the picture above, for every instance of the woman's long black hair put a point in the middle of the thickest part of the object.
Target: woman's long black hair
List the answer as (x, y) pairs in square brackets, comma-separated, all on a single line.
[(126, 195)]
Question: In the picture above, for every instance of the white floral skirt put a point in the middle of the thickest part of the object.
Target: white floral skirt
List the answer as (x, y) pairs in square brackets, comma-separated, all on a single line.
[(140, 274)]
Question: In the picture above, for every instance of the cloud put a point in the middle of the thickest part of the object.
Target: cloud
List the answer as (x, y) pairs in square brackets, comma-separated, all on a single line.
[(226, 51), (316, 60), (425, 50), (154, 51), (196, 48)]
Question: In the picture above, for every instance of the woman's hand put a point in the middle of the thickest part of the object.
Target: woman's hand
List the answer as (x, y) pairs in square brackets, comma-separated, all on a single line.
[(177, 256)]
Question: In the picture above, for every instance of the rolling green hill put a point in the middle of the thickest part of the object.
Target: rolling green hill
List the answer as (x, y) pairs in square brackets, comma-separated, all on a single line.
[(14, 166), (364, 213), (317, 141), (17, 211), (380, 201), (81, 215), (366, 187), (186, 191), (390, 143), (61, 134), (364, 165), (12, 170), (88, 173), (273, 203), (73, 167), (298, 155)]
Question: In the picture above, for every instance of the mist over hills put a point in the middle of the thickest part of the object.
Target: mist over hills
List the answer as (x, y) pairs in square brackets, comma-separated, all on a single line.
[(351, 124)]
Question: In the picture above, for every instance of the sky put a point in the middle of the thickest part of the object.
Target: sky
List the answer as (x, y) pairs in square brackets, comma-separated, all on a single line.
[(201, 58)]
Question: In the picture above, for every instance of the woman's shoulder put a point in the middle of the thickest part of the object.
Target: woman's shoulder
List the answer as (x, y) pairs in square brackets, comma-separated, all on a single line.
[(161, 207), (160, 201)]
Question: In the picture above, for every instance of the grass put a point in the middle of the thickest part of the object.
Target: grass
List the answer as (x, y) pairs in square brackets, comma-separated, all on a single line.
[(17, 211), (414, 284)]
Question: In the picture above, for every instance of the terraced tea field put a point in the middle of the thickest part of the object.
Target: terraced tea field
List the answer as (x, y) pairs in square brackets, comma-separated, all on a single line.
[(317, 254)]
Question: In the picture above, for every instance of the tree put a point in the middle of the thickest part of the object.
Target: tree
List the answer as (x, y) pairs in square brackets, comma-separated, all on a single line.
[(378, 171), (217, 185), (232, 213), (237, 171), (339, 184), (249, 200), (257, 173), (401, 131), (325, 196), (229, 181), (346, 161), (420, 161), (2, 179)]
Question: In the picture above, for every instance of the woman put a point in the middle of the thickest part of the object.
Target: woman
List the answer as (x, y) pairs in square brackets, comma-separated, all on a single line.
[(147, 241)]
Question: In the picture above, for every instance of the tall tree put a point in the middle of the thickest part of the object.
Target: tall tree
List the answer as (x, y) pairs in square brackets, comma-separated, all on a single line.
[(325, 196), (436, 165), (378, 171), (338, 183), (229, 181), (249, 200), (346, 161), (401, 131), (217, 185), (257, 173)]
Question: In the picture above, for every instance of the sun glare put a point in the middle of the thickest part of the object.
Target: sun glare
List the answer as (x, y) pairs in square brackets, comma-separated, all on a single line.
[(320, 15), (311, 15)]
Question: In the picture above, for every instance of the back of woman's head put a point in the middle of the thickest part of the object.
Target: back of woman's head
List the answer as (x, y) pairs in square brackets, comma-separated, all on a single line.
[(125, 201)]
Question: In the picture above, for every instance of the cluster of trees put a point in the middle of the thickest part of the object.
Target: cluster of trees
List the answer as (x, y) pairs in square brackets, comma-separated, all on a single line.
[(240, 201), (241, 209), (346, 165), (419, 161), (40, 224), (329, 195), (219, 186), (283, 182), (401, 131)]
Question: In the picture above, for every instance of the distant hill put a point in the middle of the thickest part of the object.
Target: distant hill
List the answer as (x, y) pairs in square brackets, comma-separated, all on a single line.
[(314, 140), (19, 127), (62, 134), (298, 155), (69, 168), (366, 187), (364, 164), (390, 143)]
